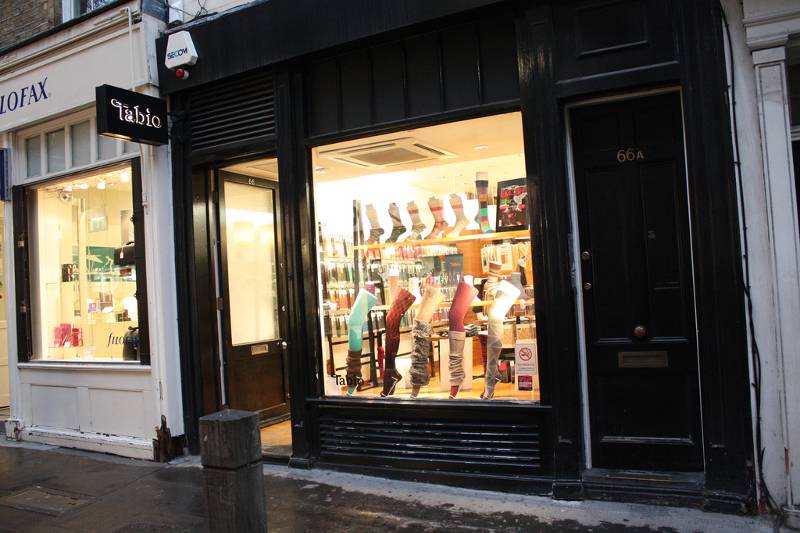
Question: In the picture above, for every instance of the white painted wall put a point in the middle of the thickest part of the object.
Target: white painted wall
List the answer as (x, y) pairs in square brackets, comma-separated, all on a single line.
[(761, 30), (112, 408)]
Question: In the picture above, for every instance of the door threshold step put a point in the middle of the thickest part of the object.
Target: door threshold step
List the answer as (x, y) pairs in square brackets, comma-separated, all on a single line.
[(665, 480)]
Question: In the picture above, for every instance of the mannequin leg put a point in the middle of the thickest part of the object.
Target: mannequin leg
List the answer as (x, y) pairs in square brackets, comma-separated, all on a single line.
[(375, 229), (417, 226), (355, 325), (397, 224), (461, 219), (401, 304), (420, 376), (504, 297), (465, 293), (494, 345)]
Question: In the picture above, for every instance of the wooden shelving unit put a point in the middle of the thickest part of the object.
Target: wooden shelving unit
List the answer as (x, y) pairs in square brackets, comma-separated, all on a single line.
[(495, 236)]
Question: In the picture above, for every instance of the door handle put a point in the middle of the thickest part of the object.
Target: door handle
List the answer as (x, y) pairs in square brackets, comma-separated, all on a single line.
[(585, 256), (284, 345), (639, 331), (587, 286)]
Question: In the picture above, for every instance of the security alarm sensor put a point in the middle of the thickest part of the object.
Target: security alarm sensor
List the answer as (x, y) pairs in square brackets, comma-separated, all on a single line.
[(181, 73), (180, 50)]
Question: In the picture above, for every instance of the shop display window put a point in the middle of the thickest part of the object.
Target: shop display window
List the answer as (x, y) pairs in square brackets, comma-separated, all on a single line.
[(84, 284), (425, 262)]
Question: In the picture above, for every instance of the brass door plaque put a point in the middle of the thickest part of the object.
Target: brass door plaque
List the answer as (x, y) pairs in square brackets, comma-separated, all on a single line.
[(642, 359)]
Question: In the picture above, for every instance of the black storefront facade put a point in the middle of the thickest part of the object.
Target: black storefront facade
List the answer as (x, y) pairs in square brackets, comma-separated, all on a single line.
[(618, 103)]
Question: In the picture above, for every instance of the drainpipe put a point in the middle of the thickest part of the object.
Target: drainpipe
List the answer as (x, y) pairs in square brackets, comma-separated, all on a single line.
[(130, 46)]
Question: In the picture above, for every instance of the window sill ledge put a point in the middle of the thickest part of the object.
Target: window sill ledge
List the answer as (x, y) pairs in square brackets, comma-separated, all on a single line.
[(110, 366)]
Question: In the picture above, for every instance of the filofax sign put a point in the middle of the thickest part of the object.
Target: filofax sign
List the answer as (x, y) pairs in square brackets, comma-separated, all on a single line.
[(131, 116)]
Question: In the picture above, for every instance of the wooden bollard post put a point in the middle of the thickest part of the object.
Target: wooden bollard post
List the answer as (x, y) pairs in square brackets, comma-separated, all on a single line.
[(230, 450)]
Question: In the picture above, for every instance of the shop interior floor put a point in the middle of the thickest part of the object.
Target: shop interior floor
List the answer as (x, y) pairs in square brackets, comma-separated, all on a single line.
[(276, 440)]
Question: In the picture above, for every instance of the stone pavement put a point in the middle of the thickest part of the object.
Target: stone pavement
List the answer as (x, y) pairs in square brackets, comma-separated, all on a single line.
[(53, 490)]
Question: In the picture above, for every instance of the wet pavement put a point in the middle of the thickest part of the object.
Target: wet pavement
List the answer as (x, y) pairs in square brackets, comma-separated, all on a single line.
[(48, 489)]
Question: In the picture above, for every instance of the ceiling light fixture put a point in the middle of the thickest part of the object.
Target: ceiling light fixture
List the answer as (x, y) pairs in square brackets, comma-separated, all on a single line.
[(124, 176), (84, 186), (101, 184), (481, 146)]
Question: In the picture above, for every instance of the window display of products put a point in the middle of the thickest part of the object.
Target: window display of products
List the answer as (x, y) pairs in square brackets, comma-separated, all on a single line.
[(84, 285), (425, 302)]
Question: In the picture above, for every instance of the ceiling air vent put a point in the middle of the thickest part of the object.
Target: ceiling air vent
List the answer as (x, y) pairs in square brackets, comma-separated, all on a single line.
[(387, 153)]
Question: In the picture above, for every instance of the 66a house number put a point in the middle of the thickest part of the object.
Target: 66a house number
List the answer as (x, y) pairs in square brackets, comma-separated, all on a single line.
[(629, 154)]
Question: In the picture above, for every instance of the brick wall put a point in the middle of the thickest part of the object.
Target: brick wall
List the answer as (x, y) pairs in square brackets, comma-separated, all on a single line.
[(21, 19)]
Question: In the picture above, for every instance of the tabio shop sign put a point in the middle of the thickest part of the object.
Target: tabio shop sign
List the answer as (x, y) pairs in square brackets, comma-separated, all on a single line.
[(131, 116)]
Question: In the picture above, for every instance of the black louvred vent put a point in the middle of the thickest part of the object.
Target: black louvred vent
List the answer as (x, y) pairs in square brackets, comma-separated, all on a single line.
[(233, 111), (493, 447)]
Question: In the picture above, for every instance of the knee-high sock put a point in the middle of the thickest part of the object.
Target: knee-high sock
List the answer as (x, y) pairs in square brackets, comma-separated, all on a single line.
[(494, 344), (355, 325), (422, 350), (465, 293), (456, 364), (402, 302), (504, 297)]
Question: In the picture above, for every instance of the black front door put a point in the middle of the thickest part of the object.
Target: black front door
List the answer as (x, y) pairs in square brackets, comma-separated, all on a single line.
[(635, 261), (251, 286)]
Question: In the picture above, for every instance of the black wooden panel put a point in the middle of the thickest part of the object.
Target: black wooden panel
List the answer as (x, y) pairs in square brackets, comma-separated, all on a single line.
[(356, 84), (266, 33), (460, 67), (457, 68), (497, 442), (498, 55), (603, 36), (232, 111), (323, 96), (424, 77), (388, 82)]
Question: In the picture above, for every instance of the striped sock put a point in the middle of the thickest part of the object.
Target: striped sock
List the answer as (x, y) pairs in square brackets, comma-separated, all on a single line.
[(482, 188)]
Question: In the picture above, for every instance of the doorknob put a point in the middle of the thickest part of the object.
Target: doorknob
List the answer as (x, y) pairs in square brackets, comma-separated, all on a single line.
[(585, 256), (587, 286), (639, 331), (284, 345)]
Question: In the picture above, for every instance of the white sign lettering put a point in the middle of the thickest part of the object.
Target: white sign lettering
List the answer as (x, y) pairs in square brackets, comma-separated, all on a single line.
[(135, 116)]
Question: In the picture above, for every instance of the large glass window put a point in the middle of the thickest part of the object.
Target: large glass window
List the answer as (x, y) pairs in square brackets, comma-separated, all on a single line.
[(84, 286), (426, 264)]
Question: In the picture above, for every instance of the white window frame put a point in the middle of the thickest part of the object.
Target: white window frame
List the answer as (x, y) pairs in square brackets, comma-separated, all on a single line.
[(41, 131)]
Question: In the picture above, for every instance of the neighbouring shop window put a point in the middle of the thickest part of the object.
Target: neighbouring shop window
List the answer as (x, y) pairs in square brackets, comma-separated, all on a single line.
[(84, 267), (425, 255)]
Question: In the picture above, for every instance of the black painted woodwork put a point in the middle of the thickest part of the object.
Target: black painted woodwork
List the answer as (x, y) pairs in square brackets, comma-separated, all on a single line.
[(555, 313), (230, 113), (380, 76), (253, 382), (636, 273), (294, 165), (605, 36), (431, 436), (722, 342), (464, 66), (266, 33), (22, 287)]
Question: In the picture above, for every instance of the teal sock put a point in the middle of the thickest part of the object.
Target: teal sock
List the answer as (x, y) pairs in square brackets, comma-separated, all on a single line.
[(358, 315)]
